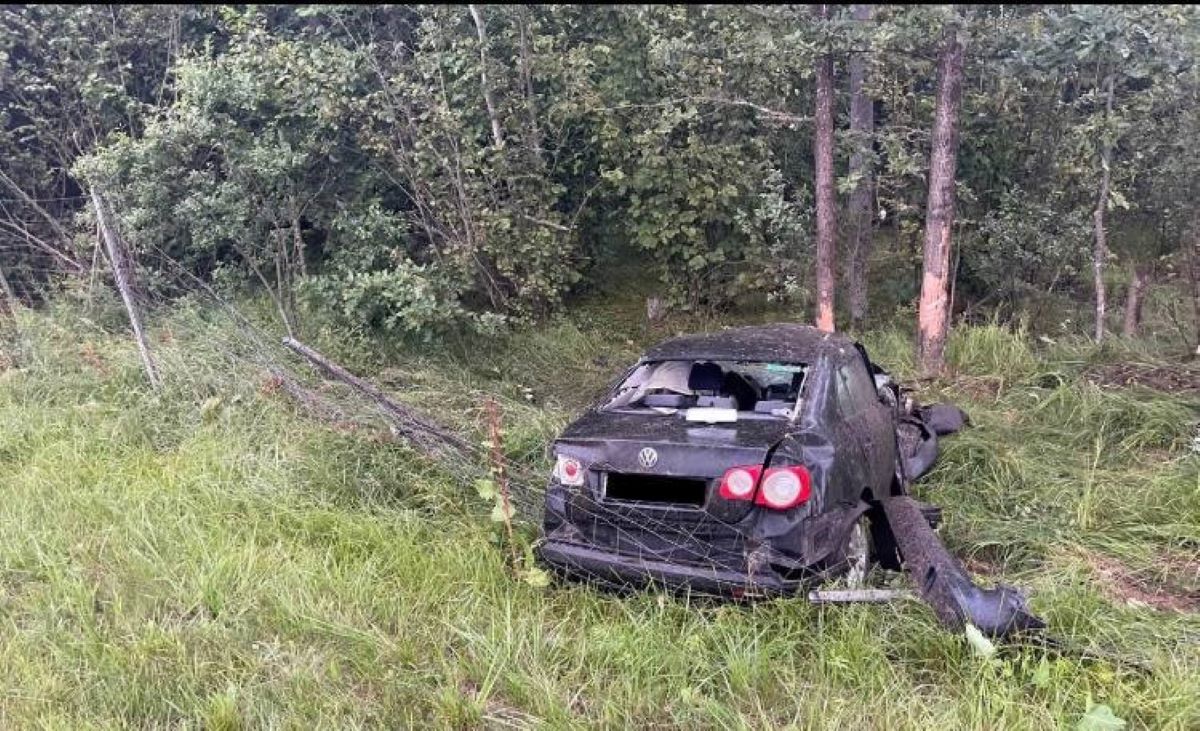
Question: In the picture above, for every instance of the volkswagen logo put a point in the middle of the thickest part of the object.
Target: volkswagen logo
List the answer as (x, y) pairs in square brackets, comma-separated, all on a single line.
[(648, 457)]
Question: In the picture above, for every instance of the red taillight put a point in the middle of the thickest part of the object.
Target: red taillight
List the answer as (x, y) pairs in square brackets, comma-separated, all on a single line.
[(781, 488), (739, 482), (568, 471), (784, 487)]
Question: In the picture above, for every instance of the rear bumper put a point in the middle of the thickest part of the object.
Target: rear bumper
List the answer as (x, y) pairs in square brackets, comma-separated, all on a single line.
[(622, 545), (605, 567)]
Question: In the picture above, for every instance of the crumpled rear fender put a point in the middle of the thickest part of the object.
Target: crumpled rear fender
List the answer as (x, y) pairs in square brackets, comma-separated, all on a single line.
[(814, 531)]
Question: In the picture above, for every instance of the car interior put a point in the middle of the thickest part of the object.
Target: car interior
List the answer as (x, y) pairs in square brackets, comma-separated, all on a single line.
[(711, 385)]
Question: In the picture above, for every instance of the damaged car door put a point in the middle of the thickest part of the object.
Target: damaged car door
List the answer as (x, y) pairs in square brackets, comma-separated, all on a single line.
[(868, 425)]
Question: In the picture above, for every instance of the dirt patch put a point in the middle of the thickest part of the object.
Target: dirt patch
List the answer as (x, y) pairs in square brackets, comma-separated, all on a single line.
[(1123, 585), (1182, 379)]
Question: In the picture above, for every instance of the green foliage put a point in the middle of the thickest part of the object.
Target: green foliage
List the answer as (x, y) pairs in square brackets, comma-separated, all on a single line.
[(1026, 246), (385, 166), (712, 215), (69, 76)]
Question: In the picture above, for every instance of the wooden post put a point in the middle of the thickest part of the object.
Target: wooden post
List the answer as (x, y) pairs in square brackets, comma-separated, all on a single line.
[(431, 438), (122, 268), (8, 306)]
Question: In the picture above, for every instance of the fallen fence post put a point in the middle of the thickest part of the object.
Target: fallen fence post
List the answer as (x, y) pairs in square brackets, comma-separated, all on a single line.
[(429, 437)]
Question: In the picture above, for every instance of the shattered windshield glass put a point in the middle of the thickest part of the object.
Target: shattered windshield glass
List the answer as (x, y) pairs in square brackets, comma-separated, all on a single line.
[(745, 387)]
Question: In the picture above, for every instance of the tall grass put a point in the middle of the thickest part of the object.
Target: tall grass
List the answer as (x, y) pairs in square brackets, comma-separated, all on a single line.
[(207, 556)]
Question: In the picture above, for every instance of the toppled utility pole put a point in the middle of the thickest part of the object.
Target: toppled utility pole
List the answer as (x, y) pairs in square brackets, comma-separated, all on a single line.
[(118, 256)]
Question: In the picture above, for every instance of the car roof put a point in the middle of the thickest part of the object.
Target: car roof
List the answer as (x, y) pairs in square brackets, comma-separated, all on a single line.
[(776, 342)]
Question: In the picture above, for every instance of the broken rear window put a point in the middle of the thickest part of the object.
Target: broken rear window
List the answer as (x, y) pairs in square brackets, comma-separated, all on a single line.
[(745, 387)]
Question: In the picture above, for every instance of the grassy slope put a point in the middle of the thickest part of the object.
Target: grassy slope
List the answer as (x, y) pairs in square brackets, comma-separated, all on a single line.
[(164, 563)]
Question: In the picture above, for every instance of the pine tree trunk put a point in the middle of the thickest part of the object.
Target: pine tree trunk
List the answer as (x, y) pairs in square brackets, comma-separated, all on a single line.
[(933, 317), (1100, 249), (1139, 282), (859, 210), (826, 203)]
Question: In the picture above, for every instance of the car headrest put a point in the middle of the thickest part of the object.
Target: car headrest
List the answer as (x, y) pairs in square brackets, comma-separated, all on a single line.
[(797, 381), (705, 376)]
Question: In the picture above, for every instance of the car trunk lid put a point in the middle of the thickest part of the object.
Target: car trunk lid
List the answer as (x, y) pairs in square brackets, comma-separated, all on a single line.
[(666, 445), (665, 468)]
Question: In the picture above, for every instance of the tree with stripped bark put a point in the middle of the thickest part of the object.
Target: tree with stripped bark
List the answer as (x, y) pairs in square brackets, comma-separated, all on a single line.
[(933, 315), (826, 254)]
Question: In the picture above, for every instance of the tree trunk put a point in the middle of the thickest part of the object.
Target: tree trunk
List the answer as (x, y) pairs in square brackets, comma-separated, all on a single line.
[(283, 281), (488, 100), (1139, 282), (298, 246), (859, 210), (8, 308), (1194, 274), (826, 204), (933, 316), (122, 268), (533, 131), (1100, 249)]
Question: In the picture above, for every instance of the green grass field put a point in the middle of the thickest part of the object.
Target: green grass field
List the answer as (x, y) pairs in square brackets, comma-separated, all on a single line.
[(210, 557)]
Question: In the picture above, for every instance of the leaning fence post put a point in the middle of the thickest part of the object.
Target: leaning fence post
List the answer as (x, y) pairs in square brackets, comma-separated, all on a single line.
[(122, 268)]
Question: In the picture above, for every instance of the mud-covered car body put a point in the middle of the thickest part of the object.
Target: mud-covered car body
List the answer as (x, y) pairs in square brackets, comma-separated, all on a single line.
[(644, 485)]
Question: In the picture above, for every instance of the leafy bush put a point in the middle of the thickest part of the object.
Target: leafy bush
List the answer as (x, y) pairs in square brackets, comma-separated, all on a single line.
[(1030, 244)]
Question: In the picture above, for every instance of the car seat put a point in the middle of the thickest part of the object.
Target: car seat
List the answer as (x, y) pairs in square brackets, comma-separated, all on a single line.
[(706, 379), (742, 390)]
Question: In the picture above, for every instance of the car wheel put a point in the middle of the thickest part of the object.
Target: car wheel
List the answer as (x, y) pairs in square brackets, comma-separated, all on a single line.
[(858, 554)]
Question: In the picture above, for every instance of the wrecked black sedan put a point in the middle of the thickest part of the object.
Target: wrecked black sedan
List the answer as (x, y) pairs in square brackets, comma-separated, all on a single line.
[(745, 462)]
